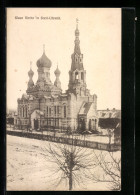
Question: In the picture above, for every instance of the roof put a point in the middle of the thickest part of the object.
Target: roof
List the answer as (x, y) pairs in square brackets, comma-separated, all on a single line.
[(47, 97), (85, 108), (116, 115), (39, 112), (109, 114)]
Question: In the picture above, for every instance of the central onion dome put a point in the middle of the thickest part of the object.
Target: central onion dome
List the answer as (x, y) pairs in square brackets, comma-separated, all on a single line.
[(44, 61)]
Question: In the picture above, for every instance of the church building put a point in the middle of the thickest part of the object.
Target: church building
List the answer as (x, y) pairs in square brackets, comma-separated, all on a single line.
[(45, 105)]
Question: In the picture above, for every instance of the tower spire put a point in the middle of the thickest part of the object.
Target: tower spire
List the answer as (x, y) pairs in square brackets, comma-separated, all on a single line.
[(77, 74), (77, 41), (77, 20)]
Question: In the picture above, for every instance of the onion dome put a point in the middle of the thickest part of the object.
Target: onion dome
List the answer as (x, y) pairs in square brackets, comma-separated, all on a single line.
[(30, 83), (57, 82), (57, 71), (30, 73), (44, 61)]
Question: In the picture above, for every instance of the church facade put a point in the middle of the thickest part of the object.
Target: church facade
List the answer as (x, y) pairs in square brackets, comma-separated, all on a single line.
[(45, 105)]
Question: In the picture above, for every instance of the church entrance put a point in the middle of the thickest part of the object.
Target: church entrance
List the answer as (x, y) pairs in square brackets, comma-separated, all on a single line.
[(82, 125), (36, 124)]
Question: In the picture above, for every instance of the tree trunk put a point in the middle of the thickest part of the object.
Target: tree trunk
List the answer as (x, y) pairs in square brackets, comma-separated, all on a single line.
[(70, 180)]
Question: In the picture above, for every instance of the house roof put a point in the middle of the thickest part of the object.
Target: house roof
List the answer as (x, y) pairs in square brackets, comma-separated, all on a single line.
[(110, 114), (85, 108)]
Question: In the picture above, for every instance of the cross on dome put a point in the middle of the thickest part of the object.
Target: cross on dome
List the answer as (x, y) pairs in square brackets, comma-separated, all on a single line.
[(30, 64), (77, 20), (43, 48)]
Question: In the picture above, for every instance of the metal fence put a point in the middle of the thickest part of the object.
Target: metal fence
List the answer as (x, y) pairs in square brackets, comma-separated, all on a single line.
[(67, 140)]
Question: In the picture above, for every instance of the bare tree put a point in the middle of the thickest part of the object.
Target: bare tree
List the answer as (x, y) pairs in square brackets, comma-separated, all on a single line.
[(110, 164), (77, 165), (71, 163)]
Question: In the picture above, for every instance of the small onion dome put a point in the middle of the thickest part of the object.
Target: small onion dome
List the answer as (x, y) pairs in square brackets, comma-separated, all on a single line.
[(57, 71), (30, 73), (30, 83), (44, 61)]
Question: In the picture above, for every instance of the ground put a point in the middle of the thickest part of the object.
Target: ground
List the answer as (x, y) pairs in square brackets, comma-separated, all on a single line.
[(28, 170)]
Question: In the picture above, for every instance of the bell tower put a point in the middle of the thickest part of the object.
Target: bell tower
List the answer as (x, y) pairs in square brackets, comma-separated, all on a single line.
[(77, 74)]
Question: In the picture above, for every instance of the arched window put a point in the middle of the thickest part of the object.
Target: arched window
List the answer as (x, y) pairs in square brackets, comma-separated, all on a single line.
[(47, 110), (82, 76), (76, 75), (64, 111), (50, 110), (57, 109), (23, 111), (26, 112), (20, 112)]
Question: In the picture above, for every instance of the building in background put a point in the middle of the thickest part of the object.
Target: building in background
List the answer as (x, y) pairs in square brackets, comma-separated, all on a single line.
[(110, 120), (114, 113), (11, 116), (44, 104)]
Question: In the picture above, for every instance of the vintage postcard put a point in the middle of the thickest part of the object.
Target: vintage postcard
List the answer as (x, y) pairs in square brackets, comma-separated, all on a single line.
[(63, 99)]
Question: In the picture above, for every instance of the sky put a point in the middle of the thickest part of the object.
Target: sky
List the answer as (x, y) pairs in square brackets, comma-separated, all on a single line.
[(100, 43)]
